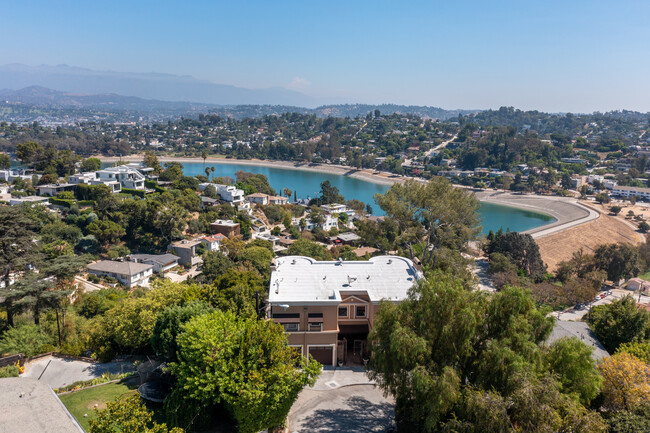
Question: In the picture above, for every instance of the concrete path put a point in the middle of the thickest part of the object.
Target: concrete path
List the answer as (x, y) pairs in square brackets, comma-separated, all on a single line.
[(354, 408), (335, 377), (58, 372)]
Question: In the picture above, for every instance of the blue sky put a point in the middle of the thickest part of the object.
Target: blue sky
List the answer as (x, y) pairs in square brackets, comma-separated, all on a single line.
[(569, 55)]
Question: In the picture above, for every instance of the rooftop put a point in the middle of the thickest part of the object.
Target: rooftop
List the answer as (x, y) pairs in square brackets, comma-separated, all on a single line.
[(225, 223), (162, 259), (30, 406), (303, 280), (124, 268), (185, 243)]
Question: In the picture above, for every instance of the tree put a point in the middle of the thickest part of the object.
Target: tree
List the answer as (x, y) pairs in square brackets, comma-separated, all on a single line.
[(17, 250), (644, 227), (329, 194), (106, 232), (5, 162), (245, 364), (307, 248), (168, 326), (453, 357), (127, 415), (151, 160), (520, 249), (639, 349), (619, 322), (626, 384), (571, 360), (173, 171), (259, 258), (602, 197), (431, 216), (27, 339), (618, 260), (215, 263), (630, 422), (287, 192), (91, 164), (615, 210)]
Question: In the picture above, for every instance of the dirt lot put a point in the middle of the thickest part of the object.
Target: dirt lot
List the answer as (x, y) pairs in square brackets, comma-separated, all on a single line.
[(606, 229)]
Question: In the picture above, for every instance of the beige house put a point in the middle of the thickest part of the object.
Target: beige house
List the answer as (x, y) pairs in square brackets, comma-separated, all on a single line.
[(328, 307), (128, 273)]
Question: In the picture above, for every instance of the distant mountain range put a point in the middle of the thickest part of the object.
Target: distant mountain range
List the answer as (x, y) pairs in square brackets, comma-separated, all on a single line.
[(162, 87), (45, 98)]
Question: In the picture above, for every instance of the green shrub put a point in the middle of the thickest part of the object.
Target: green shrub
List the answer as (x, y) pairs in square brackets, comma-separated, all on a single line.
[(9, 371), (135, 192), (28, 339)]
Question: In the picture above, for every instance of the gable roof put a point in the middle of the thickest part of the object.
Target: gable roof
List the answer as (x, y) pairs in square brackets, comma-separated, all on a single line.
[(123, 268)]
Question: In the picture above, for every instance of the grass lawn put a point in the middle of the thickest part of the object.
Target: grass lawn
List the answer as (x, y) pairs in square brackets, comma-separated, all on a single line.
[(84, 401), (645, 276)]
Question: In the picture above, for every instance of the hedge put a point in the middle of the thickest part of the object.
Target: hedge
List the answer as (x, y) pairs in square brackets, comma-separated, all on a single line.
[(136, 192), (154, 185), (61, 202)]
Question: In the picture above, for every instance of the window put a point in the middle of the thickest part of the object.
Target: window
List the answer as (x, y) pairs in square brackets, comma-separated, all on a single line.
[(316, 327), (360, 311), (291, 327), (315, 315), (286, 315), (343, 311)]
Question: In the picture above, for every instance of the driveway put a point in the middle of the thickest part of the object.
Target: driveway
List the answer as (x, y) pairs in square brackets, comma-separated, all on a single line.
[(58, 372), (353, 408), (572, 314)]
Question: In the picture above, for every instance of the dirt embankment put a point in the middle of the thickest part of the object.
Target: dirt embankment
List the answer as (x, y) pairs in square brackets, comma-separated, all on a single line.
[(560, 246)]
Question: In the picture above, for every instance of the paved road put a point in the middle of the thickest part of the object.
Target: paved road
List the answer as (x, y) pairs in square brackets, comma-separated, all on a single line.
[(571, 314), (354, 408), (58, 372)]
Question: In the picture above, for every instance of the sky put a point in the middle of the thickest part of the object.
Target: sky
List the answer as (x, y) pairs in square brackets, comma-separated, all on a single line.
[(555, 56)]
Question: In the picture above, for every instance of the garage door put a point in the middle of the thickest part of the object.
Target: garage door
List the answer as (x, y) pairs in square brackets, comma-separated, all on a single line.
[(322, 354)]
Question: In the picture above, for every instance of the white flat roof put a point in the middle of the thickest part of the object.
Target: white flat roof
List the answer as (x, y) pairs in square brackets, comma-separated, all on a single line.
[(303, 280)]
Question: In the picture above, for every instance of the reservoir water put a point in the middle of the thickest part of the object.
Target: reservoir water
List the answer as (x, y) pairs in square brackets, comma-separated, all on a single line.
[(306, 184)]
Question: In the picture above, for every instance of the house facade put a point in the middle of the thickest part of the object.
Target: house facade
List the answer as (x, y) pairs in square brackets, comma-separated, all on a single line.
[(161, 262), (228, 228), (54, 189), (212, 243), (128, 273), (186, 251), (128, 177), (327, 308)]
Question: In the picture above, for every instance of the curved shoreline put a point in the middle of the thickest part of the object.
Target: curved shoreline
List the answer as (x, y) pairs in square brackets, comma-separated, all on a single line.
[(566, 211)]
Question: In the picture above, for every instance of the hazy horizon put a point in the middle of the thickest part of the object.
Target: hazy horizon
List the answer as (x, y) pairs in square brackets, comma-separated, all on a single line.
[(580, 56)]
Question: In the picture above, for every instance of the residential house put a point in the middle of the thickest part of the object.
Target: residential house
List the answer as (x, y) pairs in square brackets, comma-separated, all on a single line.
[(128, 177), (186, 251), (258, 198), (128, 273), (336, 208), (212, 243), (227, 228), (207, 202), (638, 284), (328, 307), (54, 189), (278, 199), (161, 262)]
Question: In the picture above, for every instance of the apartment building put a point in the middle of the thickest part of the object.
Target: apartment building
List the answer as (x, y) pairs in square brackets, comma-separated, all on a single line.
[(631, 191), (327, 308)]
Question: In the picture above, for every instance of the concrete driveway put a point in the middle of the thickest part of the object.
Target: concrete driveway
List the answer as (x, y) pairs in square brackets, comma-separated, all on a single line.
[(58, 372), (353, 408)]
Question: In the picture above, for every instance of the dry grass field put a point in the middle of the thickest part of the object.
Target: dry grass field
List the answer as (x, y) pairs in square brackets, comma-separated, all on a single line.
[(606, 229)]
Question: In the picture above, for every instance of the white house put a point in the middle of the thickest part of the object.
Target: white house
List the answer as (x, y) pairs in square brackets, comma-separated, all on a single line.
[(631, 191), (54, 189), (161, 262), (128, 273), (128, 177), (212, 243), (229, 193)]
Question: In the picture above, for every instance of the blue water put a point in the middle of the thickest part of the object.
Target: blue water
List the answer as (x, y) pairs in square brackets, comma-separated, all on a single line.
[(307, 185)]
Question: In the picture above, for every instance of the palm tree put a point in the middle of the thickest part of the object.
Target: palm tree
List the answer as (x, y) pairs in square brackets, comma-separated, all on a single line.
[(212, 170), (204, 155), (207, 172)]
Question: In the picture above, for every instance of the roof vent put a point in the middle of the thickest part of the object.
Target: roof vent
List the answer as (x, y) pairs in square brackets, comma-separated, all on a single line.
[(293, 262), (390, 261), (351, 279)]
